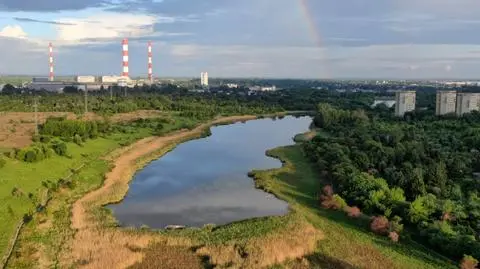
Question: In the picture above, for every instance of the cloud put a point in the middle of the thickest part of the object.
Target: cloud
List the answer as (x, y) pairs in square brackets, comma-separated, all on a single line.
[(104, 26), (14, 31), (50, 5), (40, 21)]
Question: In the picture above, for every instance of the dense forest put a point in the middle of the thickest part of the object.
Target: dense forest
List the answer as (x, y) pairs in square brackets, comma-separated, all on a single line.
[(418, 172), (172, 98)]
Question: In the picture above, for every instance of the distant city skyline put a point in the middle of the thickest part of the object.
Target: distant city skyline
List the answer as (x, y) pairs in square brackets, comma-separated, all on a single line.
[(397, 39)]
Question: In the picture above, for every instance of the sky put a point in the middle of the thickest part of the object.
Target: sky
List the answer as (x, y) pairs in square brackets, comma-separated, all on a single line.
[(321, 39)]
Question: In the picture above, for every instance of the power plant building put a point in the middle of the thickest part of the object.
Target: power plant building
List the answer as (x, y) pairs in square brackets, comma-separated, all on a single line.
[(405, 101), (85, 79), (467, 102), (446, 102)]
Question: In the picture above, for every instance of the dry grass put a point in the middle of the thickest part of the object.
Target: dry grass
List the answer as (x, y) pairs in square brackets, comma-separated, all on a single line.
[(17, 128), (162, 256), (295, 241)]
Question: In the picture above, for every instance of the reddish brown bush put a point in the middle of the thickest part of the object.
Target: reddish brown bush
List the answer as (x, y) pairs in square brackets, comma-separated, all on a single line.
[(446, 216), (468, 262), (380, 225), (326, 197), (393, 236), (328, 191), (353, 212)]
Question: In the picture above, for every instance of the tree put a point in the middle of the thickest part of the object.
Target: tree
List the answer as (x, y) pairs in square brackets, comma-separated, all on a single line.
[(421, 208)]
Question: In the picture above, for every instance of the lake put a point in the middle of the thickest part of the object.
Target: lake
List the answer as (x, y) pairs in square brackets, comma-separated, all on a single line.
[(205, 181)]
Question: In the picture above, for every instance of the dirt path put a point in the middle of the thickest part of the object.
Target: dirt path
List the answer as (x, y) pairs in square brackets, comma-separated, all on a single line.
[(98, 247)]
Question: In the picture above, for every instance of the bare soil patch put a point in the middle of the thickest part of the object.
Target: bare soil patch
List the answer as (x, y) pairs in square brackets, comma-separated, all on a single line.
[(17, 128)]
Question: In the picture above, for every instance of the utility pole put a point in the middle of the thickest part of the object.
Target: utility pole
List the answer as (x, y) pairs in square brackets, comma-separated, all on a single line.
[(111, 93), (35, 106), (86, 99)]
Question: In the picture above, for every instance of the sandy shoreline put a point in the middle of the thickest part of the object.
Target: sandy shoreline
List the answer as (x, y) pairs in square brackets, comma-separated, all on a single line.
[(93, 244)]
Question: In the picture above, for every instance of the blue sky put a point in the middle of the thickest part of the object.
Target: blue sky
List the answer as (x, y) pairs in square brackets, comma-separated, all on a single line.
[(245, 38)]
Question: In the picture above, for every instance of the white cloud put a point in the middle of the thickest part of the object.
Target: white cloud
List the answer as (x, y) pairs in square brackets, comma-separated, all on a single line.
[(106, 25), (14, 31)]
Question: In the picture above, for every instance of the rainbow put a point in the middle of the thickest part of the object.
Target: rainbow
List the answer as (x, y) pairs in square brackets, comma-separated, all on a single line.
[(314, 31)]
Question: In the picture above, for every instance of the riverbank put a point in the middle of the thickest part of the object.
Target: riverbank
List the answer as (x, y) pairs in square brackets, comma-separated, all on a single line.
[(88, 241)]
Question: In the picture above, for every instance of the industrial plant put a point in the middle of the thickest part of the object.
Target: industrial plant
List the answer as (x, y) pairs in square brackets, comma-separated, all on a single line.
[(90, 82)]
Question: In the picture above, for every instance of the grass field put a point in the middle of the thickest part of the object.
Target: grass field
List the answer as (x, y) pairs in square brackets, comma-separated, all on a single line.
[(307, 237)]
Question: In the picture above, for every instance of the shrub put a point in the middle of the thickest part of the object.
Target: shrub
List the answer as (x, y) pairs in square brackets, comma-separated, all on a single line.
[(338, 202), (380, 225), (393, 236), (353, 212), (60, 148), (77, 139), (2, 162), (396, 225), (30, 156), (468, 262), (27, 218)]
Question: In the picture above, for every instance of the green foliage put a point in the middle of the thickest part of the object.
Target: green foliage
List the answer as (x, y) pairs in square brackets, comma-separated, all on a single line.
[(422, 207), (59, 147), (420, 170)]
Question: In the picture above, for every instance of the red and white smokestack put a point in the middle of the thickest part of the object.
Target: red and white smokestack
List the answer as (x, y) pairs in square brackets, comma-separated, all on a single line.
[(50, 61), (125, 57), (150, 68)]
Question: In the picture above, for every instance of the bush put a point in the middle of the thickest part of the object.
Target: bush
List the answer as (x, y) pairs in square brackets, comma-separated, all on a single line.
[(353, 212), (2, 162), (30, 156), (380, 225), (60, 148), (468, 262), (393, 236), (77, 139)]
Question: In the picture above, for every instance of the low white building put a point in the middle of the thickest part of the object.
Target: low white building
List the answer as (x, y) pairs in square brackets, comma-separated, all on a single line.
[(263, 89), (387, 103), (232, 85), (85, 79)]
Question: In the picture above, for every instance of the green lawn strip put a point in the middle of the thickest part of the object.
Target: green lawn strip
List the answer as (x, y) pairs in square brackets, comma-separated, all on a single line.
[(298, 183)]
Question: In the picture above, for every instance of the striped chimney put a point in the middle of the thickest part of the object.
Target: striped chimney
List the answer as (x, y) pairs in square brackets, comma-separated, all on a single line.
[(125, 57), (50, 61), (150, 69)]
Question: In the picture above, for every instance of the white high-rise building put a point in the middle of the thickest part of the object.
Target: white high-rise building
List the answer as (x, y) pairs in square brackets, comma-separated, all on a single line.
[(204, 78), (404, 102), (467, 102), (446, 102)]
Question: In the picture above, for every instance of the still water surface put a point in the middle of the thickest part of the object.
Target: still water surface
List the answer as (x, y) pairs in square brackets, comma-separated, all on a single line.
[(205, 181)]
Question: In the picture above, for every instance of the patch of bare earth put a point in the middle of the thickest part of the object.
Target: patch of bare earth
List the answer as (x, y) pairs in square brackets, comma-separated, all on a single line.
[(294, 242), (17, 128), (95, 246)]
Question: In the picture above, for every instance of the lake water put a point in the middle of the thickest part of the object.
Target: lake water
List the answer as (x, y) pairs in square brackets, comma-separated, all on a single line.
[(205, 181)]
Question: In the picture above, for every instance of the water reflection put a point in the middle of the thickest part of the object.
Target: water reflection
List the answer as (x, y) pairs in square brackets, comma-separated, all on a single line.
[(205, 181)]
